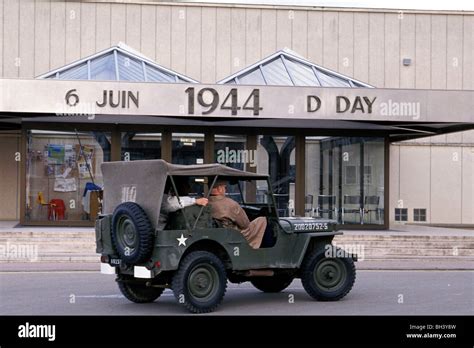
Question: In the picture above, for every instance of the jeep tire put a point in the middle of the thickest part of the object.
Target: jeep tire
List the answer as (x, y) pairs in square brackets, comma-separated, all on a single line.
[(137, 292), (273, 284), (132, 233), (327, 278), (200, 282)]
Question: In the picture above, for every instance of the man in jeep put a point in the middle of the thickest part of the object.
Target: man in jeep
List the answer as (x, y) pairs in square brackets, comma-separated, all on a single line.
[(171, 203), (230, 214)]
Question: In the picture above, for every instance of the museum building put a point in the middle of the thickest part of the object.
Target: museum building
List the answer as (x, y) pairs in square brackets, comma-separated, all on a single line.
[(324, 138)]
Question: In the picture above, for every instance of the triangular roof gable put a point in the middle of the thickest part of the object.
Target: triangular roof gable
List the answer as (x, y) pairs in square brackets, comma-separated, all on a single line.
[(287, 68), (117, 63)]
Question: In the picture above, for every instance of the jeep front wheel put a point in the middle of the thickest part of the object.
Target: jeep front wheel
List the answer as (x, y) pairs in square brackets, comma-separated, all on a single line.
[(272, 284), (138, 292), (200, 282), (327, 278)]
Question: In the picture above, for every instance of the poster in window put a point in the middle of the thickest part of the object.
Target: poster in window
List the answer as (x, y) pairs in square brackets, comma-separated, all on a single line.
[(84, 164), (65, 185), (69, 155), (55, 154)]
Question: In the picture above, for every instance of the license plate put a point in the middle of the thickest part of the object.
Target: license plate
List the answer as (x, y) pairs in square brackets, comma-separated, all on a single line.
[(115, 262)]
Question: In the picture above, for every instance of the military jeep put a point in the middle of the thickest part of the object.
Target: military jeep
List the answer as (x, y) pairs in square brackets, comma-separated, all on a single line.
[(195, 255)]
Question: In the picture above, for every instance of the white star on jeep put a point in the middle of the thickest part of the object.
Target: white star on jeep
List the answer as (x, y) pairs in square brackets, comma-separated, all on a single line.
[(181, 240)]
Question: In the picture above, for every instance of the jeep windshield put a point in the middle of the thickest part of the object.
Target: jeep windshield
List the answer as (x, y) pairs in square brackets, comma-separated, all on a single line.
[(254, 196)]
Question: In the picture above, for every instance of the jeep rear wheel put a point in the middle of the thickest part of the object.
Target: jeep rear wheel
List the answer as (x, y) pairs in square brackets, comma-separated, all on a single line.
[(137, 292), (327, 278), (272, 284), (132, 233), (200, 282)]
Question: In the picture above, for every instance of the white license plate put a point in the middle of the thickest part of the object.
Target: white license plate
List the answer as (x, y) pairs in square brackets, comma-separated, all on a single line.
[(115, 262)]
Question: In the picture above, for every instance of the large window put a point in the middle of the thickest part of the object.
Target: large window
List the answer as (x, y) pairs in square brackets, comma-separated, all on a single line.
[(276, 157), (273, 155), (188, 148), (345, 179), (373, 179), (231, 150), (62, 169), (140, 146)]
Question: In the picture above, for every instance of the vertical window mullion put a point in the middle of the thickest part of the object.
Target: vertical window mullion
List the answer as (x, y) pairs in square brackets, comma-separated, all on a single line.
[(117, 74)]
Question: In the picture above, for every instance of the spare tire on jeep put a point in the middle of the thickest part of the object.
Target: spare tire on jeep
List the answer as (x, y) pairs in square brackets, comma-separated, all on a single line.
[(132, 233)]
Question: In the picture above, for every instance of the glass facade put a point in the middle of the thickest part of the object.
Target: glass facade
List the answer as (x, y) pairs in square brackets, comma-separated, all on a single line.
[(345, 179), (344, 176), (61, 168)]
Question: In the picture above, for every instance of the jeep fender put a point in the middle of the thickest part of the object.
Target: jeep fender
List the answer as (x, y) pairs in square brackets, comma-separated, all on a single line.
[(314, 241)]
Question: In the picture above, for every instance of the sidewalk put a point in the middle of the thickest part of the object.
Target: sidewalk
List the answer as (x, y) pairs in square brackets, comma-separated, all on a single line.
[(417, 230), (402, 247), (414, 247)]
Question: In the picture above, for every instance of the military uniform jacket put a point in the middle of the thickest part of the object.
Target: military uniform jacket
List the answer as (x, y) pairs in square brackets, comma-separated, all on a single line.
[(231, 215)]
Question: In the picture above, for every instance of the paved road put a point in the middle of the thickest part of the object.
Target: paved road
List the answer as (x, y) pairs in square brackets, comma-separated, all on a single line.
[(374, 293)]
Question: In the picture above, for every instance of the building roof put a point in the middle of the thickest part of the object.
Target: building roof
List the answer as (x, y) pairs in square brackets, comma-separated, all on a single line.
[(287, 68), (117, 63)]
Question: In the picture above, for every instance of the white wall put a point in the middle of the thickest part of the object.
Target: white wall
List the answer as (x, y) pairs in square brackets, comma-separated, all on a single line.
[(210, 42), (435, 174)]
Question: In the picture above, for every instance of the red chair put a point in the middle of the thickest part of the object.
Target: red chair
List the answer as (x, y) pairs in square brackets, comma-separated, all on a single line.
[(56, 210)]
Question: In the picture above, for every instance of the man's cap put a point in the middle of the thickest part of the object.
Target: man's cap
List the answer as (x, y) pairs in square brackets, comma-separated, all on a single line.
[(221, 182)]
